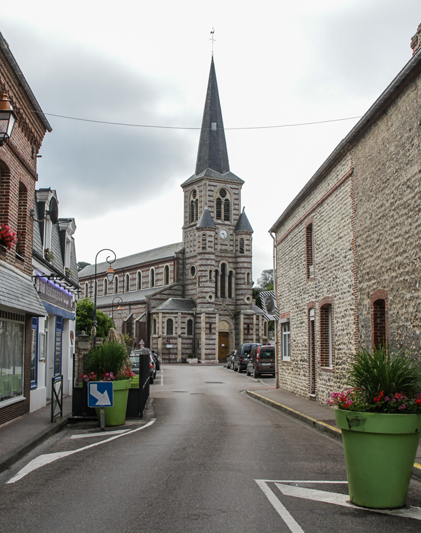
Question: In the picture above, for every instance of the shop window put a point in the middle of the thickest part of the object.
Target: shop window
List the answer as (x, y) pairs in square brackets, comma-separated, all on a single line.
[(34, 353), (11, 356)]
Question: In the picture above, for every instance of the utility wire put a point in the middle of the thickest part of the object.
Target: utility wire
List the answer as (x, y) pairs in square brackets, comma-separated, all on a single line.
[(185, 128)]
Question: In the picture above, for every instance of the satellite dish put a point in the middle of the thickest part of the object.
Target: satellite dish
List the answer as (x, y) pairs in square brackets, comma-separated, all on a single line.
[(53, 211)]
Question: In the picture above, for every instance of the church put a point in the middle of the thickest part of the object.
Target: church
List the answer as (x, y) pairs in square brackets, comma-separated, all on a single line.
[(193, 298)]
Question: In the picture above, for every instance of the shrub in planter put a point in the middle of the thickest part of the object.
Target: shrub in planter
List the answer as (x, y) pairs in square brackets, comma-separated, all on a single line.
[(380, 419)]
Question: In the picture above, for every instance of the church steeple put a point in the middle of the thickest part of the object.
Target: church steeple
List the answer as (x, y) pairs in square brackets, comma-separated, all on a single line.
[(212, 151)]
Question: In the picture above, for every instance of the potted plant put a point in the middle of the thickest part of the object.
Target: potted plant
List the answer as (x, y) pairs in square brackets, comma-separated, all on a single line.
[(8, 237), (380, 419), (48, 254), (108, 362)]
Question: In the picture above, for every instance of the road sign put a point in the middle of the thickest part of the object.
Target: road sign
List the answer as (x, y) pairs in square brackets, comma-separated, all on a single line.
[(100, 394)]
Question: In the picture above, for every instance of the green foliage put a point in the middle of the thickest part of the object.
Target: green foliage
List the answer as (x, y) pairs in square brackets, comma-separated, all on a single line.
[(265, 280), (110, 357), (81, 265), (128, 341), (381, 371), (382, 382), (85, 319)]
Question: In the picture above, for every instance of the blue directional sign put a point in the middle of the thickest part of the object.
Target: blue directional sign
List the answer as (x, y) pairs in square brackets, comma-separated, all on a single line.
[(100, 394)]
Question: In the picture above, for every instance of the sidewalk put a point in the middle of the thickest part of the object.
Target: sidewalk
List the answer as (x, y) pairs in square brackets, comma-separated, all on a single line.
[(21, 435), (320, 417)]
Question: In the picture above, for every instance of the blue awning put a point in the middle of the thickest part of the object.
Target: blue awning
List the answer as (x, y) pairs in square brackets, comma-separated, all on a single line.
[(58, 311)]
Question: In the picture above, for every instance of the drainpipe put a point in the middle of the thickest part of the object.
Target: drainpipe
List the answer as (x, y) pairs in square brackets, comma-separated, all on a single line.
[(275, 286)]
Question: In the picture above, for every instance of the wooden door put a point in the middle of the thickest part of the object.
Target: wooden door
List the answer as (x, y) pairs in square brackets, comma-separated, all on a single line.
[(223, 345)]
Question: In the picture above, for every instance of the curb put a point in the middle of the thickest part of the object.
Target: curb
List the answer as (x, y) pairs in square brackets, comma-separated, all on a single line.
[(13, 457), (316, 424)]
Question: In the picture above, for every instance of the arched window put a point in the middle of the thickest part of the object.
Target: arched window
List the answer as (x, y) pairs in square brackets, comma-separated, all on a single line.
[(204, 242), (154, 326), (127, 283), (210, 275), (223, 205), (241, 246), (152, 278), (227, 209), (139, 281), (248, 277), (230, 284), (116, 285), (86, 290), (193, 206), (190, 327), (223, 280), (105, 287), (166, 275), (216, 283), (170, 326)]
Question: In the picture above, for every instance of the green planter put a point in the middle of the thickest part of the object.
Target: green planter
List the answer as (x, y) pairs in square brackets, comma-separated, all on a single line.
[(116, 415), (380, 450)]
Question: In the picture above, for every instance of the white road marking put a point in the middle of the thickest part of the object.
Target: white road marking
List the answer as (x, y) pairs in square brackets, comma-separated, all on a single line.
[(293, 526), (99, 434), (343, 500), (50, 457)]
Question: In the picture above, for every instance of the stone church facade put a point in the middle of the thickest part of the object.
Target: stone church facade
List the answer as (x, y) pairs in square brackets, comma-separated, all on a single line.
[(192, 298)]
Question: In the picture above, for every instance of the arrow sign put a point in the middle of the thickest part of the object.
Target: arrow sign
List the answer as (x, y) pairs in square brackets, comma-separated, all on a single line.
[(100, 394)]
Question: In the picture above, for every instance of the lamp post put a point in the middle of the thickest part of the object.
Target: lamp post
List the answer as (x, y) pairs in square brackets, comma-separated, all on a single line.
[(110, 277), (112, 306), (7, 118)]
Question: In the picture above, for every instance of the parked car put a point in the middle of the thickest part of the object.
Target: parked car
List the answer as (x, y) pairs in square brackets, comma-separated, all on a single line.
[(261, 361), (241, 356), (230, 358), (134, 358), (156, 359)]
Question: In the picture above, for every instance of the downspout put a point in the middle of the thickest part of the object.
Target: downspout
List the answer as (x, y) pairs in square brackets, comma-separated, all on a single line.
[(275, 286)]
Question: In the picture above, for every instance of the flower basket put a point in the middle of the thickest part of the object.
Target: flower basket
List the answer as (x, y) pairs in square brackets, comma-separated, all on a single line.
[(380, 450), (8, 237)]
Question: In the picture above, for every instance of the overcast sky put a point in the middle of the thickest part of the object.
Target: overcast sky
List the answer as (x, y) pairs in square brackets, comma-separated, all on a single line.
[(144, 62)]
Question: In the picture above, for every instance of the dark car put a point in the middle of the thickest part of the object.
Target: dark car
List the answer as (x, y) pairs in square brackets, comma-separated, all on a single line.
[(134, 358), (261, 361), (230, 359), (241, 356), (156, 359)]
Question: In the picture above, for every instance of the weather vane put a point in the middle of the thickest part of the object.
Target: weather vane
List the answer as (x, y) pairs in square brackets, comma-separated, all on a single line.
[(212, 38)]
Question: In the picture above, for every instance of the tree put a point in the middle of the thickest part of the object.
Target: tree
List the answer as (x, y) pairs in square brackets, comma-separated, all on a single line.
[(85, 319), (265, 280), (81, 264)]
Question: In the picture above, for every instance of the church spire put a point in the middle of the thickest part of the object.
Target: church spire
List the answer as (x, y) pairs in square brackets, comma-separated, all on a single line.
[(212, 151)]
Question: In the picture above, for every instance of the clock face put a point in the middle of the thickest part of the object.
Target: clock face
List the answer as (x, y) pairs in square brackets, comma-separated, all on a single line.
[(223, 233)]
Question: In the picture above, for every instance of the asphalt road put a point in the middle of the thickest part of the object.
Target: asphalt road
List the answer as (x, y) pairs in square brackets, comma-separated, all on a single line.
[(211, 460)]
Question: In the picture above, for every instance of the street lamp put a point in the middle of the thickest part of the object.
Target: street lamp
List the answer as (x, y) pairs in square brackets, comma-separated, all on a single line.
[(110, 277), (112, 306), (7, 118)]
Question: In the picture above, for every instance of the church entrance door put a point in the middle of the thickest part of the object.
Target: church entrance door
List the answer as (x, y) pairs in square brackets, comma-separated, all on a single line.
[(223, 345)]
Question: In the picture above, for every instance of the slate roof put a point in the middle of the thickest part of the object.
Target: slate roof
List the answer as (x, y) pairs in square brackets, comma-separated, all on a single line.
[(15, 67), (127, 297), (243, 223), (18, 292), (148, 256), (177, 304), (206, 220), (257, 310)]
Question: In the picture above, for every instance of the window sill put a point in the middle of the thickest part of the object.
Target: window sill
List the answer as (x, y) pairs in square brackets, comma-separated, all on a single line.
[(327, 369), (11, 401), (286, 360)]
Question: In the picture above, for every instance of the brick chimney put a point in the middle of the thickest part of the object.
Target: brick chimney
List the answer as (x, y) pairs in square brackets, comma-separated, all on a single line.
[(416, 41)]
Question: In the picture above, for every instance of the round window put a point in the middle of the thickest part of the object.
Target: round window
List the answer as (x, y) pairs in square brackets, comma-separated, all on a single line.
[(222, 193)]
